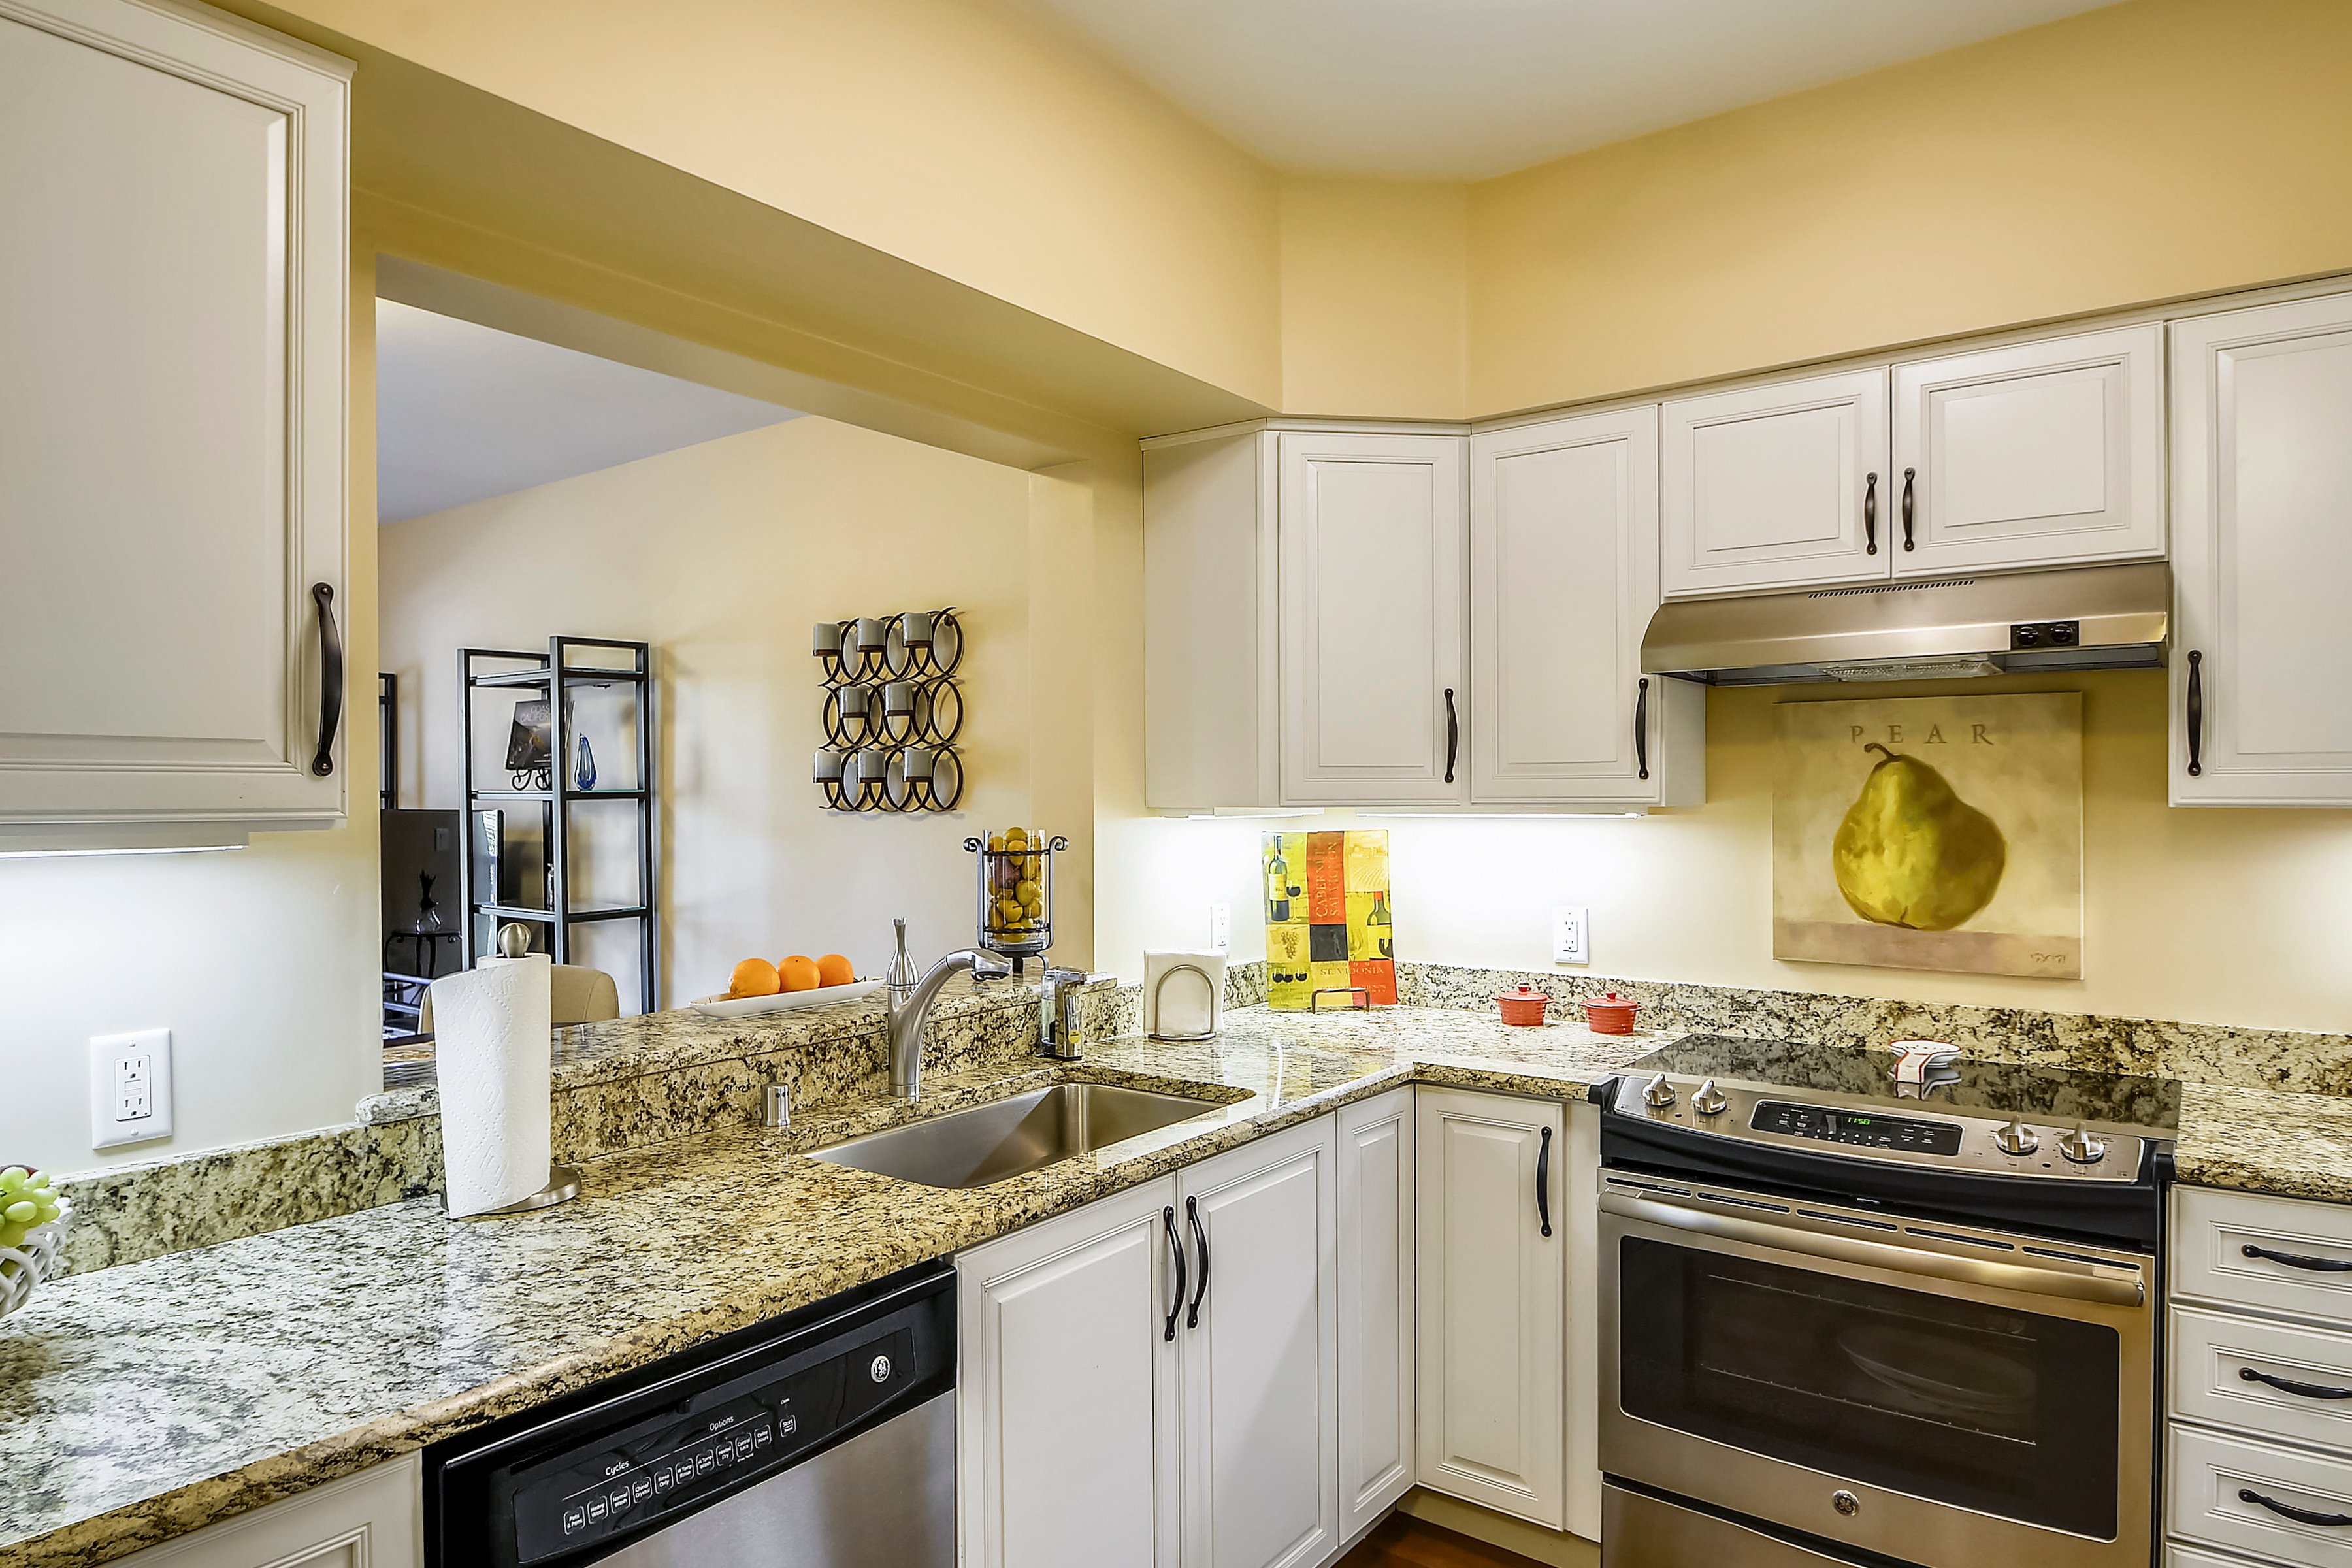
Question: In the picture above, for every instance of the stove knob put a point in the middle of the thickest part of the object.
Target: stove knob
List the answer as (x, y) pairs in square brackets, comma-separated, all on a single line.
[(2016, 1139), (1659, 1094), (2082, 1146), (1709, 1099)]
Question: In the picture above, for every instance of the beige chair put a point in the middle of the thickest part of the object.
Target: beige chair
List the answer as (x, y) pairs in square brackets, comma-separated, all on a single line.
[(577, 994)]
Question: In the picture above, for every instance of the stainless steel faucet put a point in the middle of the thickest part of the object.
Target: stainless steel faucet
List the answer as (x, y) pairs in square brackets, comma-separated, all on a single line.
[(907, 1018)]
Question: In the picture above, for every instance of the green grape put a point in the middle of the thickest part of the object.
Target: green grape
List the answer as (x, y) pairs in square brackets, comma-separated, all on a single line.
[(23, 1212), (12, 1178), (12, 1235), (49, 1211)]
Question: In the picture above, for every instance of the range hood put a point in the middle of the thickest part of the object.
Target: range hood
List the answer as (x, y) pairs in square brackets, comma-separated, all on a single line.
[(2084, 618)]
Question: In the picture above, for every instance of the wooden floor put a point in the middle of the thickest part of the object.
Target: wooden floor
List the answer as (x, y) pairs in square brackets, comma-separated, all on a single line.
[(1402, 1542)]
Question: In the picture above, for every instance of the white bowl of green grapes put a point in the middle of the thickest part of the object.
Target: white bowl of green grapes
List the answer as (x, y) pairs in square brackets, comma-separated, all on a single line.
[(33, 1217)]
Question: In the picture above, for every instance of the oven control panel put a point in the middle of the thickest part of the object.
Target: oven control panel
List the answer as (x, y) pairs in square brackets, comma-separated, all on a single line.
[(1862, 1128), (1867, 1129)]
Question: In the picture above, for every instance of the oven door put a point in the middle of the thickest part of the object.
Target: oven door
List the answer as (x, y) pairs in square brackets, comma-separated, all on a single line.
[(1940, 1394)]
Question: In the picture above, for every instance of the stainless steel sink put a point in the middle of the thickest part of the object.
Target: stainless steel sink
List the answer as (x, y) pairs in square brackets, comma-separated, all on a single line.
[(1006, 1137)]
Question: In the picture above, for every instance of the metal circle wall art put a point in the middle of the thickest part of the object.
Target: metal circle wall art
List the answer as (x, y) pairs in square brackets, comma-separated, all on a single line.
[(891, 712)]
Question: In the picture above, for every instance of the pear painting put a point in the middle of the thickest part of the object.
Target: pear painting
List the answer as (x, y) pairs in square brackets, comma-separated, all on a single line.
[(1912, 853), (1940, 832)]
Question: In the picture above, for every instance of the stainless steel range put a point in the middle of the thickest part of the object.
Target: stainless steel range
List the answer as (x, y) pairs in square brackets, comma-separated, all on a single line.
[(1844, 1320)]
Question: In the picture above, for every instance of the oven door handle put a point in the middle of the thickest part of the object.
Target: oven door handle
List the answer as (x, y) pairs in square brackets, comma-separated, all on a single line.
[(2025, 1277)]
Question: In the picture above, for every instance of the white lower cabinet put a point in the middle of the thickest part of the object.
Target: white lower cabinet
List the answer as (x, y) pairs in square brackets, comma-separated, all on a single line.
[(1376, 1316), (1066, 1402), (372, 1519), (1492, 1312), (1259, 1350), (1153, 1379)]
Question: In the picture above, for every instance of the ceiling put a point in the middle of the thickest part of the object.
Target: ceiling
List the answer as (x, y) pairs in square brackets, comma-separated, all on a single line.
[(467, 412), (1467, 88)]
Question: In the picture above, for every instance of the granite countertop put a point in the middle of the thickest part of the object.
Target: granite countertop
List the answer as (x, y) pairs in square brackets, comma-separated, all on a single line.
[(140, 1402), (146, 1400)]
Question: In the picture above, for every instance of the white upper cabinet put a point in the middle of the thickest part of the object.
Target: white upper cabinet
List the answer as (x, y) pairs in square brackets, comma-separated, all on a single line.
[(1776, 486), (1563, 577), (171, 424), (1374, 699), (2262, 558), (2048, 453)]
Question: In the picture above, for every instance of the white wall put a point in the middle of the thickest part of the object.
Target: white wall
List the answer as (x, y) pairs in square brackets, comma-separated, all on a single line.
[(2212, 916), (262, 962), (722, 555)]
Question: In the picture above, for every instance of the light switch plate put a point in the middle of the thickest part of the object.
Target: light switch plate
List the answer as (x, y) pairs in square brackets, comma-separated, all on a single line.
[(1571, 934), (1221, 928), (130, 1088)]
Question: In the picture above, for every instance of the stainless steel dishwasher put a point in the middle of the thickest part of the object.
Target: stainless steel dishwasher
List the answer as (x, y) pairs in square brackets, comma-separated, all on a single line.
[(824, 1438)]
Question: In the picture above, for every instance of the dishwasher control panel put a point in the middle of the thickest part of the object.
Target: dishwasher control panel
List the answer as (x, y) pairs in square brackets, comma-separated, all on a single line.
[(678, 1437)]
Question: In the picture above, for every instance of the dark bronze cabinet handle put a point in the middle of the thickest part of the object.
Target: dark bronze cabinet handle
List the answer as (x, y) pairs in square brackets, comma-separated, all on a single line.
[(1199, 1240), (1453, 734), (2197, 720), (1910, 476), (2284, 1511), (1176, 1257), (2316, 1265), (331, 679), (1870, 513), (2288, 1385), (1543, 1182), (1642, 726)]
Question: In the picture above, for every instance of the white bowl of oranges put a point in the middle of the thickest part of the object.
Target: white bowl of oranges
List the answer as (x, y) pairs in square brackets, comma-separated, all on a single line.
[(759, 986)]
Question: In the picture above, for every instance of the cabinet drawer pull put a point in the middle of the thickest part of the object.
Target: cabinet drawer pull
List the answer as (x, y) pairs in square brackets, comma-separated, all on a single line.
[(1870, 513), (330, 678), (1642, 726), (2288, 1385), (2287, 1510), (1175, 1255), (1453, 734), (2196, 713), (1199, 1240), (1910, 479), (1543, 1181), (2316, 1265)]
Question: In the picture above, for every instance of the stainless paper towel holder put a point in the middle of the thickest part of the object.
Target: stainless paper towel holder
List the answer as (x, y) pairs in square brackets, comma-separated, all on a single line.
[(563, 1181)]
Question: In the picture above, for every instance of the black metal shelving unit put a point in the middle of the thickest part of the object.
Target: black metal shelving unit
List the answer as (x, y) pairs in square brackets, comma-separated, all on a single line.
[(555, 673)]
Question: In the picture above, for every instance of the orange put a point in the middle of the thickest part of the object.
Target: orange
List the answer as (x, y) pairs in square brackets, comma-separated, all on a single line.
[(798, 973), (835, 969), (753, 977)]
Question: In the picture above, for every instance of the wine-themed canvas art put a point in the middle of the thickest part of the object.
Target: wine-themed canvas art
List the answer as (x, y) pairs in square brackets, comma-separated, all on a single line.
[(1328, 925)]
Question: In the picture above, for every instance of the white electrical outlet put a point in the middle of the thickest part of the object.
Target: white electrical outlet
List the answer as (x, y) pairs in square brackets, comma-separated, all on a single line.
[(130, 1088), (1571, 934), (1221, 928)]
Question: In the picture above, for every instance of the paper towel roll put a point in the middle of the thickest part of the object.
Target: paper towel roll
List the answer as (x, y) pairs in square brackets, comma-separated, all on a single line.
[(492, 1037), (1187, 1003)]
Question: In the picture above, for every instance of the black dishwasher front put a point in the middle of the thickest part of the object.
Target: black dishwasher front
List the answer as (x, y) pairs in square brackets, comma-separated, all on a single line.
[(767, 1446)]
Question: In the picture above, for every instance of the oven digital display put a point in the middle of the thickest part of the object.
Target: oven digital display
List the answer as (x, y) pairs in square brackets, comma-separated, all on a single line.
[(1868, 1129)]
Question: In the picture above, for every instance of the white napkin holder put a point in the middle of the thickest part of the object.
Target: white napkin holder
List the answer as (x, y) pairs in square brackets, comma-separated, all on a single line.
[(1183, 995)]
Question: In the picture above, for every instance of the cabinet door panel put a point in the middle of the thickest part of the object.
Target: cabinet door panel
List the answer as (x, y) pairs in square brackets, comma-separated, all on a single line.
[(1492, 1322), (1261, 1365), (2042, 454), (1563, 578), (1376, 1307), (1778, 486), (1372, 613), (1066, 1418), (372, 1520), (2263, 561), (172, 398)]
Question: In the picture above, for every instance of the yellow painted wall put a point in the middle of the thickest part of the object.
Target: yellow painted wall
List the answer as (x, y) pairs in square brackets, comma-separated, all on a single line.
[(2216, 916), (2141, 152), (965, 136), (1375, 298), (722, 555)]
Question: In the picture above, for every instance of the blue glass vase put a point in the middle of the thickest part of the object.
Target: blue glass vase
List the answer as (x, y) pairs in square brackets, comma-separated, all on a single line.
[(584, 771)]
